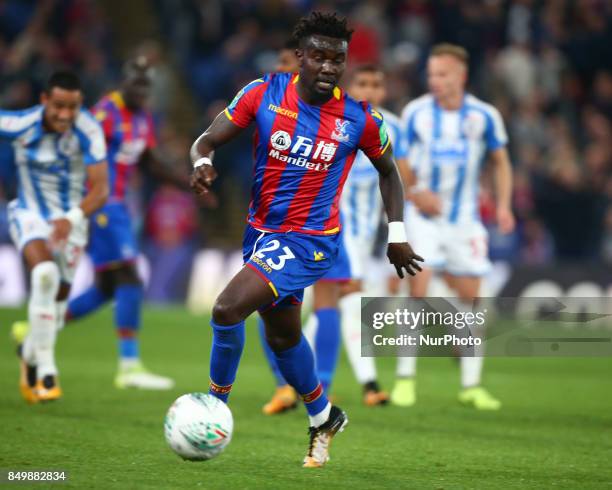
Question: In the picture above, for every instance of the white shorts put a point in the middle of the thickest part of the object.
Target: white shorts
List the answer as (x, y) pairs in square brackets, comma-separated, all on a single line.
[(359, 251), (26, 225), (460, 249)]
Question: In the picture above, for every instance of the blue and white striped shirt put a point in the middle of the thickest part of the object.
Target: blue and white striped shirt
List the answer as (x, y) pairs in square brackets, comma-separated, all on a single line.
[(51, 167), (446, 150)]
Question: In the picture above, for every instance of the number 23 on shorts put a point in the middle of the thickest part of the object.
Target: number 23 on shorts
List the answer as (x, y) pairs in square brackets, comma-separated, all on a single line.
[(274, 260)]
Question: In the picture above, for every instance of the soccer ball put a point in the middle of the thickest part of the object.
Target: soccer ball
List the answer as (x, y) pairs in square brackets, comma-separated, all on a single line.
[(198, 426)]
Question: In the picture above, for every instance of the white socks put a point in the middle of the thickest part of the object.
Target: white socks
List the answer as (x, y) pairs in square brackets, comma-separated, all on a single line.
[(406, 366), (61, 306), (310, 329), (321, 417), (471, 368), (39, 347), (127, 363), (471, 357), (350, 310)]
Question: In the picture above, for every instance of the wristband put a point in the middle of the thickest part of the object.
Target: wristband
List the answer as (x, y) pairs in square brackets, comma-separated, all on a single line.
[(397, 232), (202, 161), (75, 216)]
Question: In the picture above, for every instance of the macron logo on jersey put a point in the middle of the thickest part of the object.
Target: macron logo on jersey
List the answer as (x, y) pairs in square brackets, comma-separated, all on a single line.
[(282, 111), (302, 149)]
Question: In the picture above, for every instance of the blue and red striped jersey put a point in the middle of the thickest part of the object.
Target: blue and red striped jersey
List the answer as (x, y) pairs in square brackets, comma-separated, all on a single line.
[(128, 134), (302, 153)]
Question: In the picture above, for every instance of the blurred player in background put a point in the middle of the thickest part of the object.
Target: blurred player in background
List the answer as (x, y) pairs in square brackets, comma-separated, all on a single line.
[(448, 133), (287, 61), (361, 209), (60, 154), (308, 132), (130, 135)]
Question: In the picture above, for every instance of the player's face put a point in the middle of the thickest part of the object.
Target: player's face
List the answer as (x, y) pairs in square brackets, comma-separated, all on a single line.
[(287, 61), (136, 90), (61, 108), (322, 62), (446, 76), (368, 86)]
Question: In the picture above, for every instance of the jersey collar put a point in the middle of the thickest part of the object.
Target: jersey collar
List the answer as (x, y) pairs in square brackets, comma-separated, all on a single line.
[(117, 99)]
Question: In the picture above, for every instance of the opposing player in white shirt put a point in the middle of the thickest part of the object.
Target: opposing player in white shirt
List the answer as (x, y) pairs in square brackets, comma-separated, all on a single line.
[(448, 135), (361, 208), (60, 154)]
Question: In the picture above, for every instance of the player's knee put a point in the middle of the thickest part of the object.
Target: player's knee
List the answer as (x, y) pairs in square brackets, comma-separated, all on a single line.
[(276, 343), (45, 281), (280, 343), (281, 339), (127, 275), (418, 290), (349, 287), (105, 282), (63, 291), (226, 312)]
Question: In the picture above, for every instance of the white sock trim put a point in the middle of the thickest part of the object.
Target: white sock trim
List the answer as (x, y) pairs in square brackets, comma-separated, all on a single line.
[(350, 309), (321, 417), (42, 315), (128, 362)]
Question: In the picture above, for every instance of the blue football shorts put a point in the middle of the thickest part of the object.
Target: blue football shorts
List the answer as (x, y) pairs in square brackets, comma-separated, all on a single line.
[(289, 262), (111, 238)]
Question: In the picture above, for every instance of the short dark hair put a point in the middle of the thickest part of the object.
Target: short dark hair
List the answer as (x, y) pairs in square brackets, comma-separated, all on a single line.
[(66, 80), (323, 24), (367, 68)]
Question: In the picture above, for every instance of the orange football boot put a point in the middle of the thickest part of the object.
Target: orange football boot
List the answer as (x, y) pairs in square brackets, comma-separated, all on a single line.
[(284, 398), (48, 389), (27, 374), (374, 398)]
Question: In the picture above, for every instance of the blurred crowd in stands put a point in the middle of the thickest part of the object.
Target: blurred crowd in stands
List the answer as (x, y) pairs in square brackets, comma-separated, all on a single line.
[(545, 64)]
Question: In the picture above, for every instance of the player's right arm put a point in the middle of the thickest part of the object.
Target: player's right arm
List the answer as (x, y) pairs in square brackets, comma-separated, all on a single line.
[(98, 189), (426, 201), (97, 180), (218, 133), (14, 123), (226, 126)]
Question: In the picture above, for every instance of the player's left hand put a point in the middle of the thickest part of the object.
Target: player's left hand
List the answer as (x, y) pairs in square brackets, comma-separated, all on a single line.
[(202, 178), (60, 232), (402, 256), (505, 220)]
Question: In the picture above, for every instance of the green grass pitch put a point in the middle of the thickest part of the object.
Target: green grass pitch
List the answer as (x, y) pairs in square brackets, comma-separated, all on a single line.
[(555, 429)]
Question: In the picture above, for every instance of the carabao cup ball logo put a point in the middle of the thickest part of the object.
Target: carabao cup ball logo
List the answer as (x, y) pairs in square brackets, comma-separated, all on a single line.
[(281, 140)]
